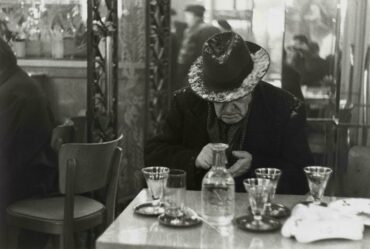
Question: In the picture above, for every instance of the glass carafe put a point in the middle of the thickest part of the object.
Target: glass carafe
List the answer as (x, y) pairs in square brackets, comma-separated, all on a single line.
[(218, 189)]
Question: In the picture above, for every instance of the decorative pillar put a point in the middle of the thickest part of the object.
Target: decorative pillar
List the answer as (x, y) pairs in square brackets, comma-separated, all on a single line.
[(157, 94), (131, 100), (102, 66)]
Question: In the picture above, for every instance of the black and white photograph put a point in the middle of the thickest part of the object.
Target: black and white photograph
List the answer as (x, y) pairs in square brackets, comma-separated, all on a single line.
[(184, 124)]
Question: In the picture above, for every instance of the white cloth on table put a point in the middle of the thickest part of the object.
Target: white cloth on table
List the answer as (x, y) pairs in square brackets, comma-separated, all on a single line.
[(312, 223)]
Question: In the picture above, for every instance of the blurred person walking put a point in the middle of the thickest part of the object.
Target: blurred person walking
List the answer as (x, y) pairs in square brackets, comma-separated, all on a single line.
[(195, 36)]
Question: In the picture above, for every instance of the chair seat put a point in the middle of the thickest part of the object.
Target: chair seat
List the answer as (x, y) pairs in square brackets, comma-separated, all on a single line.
[(49, 213)]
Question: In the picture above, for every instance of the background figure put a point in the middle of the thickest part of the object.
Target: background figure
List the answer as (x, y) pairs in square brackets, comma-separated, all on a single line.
[(316, 68), (178, 27), (299, 50), (290, 78), (301, 42), (28, 165), (305, 59), (194, 37)]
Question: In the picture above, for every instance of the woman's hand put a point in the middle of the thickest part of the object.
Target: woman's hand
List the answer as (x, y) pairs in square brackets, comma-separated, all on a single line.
[(242, 165)]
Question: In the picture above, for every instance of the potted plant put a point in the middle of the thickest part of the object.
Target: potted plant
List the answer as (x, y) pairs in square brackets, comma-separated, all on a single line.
[(19, 44)]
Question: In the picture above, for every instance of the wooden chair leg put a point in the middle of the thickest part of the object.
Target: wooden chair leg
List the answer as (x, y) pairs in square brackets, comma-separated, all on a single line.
[(55, 241), (92, 235), (89, 239), (81, 239), (13, 233), (66, 241), (98, 230)]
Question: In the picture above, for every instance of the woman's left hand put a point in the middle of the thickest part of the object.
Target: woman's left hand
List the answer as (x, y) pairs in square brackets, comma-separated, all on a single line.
[(242, 165)]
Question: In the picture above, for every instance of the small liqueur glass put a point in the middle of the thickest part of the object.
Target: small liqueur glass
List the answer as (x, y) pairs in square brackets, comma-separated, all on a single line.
[(317, 177), (258, 191), (272, 209), (156, 179)]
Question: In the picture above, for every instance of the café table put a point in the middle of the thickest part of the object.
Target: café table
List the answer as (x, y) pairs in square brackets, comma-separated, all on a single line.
[(131, 231)]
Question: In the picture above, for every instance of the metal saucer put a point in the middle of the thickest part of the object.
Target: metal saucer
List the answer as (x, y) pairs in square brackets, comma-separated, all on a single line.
[(147, 209), (267, 224), (180, 222), (278, 211)]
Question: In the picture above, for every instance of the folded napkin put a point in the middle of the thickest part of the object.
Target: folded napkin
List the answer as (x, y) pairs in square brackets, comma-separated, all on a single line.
[(312, 223)]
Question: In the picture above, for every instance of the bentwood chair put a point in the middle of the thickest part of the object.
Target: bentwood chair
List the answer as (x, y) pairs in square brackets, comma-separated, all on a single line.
[(83, 168)]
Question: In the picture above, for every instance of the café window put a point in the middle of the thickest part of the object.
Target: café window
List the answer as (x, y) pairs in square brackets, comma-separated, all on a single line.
[(45, 29), (259, 21)]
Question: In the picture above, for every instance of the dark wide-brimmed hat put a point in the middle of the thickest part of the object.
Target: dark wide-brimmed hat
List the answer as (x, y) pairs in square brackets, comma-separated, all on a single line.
[(228, 69)]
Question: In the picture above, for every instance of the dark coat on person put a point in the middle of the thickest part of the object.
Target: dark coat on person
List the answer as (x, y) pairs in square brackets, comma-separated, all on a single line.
[(28, 165), (275, 137), (290, 81), (314, 71)]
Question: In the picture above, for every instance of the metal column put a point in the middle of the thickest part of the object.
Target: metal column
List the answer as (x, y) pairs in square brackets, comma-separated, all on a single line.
[(102, 70)]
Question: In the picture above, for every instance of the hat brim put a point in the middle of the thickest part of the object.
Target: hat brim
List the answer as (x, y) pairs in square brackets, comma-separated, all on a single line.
[(261, 63)]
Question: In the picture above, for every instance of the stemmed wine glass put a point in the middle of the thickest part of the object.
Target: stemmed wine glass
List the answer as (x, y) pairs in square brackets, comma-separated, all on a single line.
[(156, 179), (272, 209), (258, 192), (317, 177)]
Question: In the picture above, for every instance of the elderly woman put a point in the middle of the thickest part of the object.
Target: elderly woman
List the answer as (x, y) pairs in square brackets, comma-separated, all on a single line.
[(27, 163), (227, 101)]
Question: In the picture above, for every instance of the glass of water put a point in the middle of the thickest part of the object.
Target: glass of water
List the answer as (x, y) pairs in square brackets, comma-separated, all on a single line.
[(175, 194), (156, 179)]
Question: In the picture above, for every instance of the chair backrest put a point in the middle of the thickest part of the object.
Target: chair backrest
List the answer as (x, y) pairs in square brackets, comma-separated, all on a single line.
[(94, 163), (111, 191)]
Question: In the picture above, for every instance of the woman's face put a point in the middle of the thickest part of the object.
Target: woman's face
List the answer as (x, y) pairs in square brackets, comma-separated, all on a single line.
[(234, 111)]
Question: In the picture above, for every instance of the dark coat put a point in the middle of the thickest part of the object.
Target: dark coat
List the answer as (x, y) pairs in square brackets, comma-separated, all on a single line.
[(290, 81), (28, 166), (275, 137), (314, 70)]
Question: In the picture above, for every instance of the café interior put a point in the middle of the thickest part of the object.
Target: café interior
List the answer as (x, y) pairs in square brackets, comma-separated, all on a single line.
[(109, 69)]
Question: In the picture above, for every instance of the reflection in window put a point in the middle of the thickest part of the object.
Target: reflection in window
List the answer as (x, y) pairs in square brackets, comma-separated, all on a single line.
[(45, 29)]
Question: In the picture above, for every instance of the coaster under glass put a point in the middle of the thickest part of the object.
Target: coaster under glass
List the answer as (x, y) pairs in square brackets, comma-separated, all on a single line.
[(180, 222), (276, 210), (266, 224), (148, 209)]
